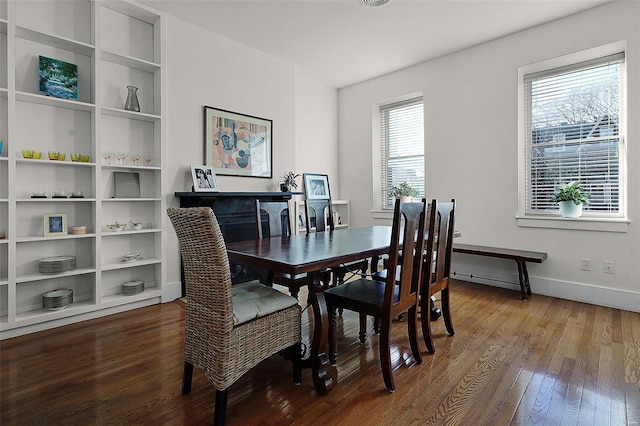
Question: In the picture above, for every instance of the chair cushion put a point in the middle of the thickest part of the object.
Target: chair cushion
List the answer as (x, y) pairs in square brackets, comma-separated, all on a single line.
[(253, 300)]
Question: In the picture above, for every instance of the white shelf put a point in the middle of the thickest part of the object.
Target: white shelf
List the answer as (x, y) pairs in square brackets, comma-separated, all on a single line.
[(120, 299), (55, 41), (125, 167), (42, 277), (129, 61), (33, 239), (123, 113), (41, 315), (127, 265), (55, 200), (54, 102), (107, 233), (46, 162), (129, 200)]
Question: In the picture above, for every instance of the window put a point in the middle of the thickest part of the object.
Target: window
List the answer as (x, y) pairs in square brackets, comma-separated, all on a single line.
[(574, 131), (402, 145)]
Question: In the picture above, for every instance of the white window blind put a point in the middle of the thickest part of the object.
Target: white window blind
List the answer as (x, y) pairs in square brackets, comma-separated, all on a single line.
[(573, 133), (402, 143)]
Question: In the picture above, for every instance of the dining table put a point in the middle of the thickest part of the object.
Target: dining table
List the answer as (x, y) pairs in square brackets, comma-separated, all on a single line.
[(313, 253)]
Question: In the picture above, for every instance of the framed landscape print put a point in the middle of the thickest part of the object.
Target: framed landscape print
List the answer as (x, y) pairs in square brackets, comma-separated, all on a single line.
[(57, 78), (237, 144)]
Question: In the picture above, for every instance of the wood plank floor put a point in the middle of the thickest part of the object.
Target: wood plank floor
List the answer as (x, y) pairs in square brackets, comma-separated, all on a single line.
[(545, 361)]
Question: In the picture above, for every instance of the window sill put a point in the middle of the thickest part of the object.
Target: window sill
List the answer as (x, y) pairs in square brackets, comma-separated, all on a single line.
[(382, 214), (580, 223)]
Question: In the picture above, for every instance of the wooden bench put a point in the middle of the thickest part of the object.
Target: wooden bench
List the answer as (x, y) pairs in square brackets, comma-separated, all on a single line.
[(520, 257)]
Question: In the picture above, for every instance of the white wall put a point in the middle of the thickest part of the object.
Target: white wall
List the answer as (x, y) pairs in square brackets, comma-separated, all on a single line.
[(471, 115), (206, 69)]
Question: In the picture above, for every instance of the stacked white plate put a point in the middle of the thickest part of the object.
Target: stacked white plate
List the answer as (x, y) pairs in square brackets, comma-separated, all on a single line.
[(57, 264), (57, 299), (132, 287)]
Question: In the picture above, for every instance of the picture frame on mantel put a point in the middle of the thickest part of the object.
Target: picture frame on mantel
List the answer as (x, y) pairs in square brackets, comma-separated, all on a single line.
[(204, 179), (237, 144)]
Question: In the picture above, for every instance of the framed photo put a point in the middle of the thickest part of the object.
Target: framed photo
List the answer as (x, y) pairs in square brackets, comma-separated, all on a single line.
[(55, 224), (57, 78), (316, 186), (237, 144), (204, 179)]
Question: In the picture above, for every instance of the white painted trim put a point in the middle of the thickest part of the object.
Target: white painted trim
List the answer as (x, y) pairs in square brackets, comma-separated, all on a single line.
[(171, 291), (578, 292)]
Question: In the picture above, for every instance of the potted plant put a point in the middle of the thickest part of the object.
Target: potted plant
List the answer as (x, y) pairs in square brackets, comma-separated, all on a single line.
[(288, 182), (404, 191), (570, 197)]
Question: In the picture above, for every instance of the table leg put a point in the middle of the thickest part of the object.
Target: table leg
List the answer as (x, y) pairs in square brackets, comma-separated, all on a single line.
[(522, 273), (318, 360)]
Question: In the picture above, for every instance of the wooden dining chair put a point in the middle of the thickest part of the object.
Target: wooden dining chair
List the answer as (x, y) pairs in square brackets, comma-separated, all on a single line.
[(437, 268), (278, 224), (228, 329), (387, 299)]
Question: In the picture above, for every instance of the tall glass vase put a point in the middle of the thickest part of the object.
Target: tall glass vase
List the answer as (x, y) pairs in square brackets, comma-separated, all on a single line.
[(132, 103)]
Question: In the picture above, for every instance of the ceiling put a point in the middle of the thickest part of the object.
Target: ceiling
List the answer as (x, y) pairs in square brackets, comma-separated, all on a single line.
[(342, 42)]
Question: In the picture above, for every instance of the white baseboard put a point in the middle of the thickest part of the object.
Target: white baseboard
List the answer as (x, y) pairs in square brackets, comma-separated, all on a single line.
[(579, 292), (171, 291)]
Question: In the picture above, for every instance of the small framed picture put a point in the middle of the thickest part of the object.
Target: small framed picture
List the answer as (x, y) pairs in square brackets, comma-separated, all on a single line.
[(204, 179), (55, 224), (316, 186)]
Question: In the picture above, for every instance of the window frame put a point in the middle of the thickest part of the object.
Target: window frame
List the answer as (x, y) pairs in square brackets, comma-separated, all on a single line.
[(378, 209), (595, 221)]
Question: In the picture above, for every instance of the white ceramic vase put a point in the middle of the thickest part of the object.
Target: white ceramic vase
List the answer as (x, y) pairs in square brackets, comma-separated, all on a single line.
[(570, 209)]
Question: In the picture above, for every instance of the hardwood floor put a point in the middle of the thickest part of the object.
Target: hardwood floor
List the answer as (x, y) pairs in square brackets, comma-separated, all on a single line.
[(544, 361)]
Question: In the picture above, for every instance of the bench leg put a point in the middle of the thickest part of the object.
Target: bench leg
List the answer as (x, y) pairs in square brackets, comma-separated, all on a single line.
[(523, 275)]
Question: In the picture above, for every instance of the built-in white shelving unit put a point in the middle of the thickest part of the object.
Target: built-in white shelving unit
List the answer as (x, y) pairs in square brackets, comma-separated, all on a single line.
[(115, 44)]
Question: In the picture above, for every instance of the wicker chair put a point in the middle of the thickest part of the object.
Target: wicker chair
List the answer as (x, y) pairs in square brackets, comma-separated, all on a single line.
[(229, 329)]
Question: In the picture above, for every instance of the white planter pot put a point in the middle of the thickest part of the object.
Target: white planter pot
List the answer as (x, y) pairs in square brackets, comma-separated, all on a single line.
[(570, 209)]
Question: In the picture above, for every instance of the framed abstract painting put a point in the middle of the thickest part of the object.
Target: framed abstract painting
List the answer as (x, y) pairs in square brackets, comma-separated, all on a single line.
[(237, 144)]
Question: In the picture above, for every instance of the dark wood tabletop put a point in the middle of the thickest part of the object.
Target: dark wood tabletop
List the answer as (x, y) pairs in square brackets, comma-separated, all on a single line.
[(312, 252)]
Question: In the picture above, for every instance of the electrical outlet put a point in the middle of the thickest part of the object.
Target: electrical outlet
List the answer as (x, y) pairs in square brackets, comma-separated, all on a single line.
[(585, 264), (609, 267)]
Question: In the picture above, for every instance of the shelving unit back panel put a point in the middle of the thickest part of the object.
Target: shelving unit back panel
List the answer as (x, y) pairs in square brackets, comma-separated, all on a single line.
[(27, 65), (3, 60), (113, 249), (134, 37), (29, 295), (126, 135), (115, 82), (28, 255), (123, 212), (4, 189), (30, 217), (46, 128), (64, 18), (4, 271), (112, 280), (3, 127), (147, 179), (34, 178), (3, 9)]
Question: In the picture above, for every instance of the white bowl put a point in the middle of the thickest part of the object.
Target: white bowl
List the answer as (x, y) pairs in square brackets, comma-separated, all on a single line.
[(135, 226), (78, 229), (115, 227)]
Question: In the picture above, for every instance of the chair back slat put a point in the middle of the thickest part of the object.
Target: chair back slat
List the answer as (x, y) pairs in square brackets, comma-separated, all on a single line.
[(319, 209), (440, 242), (408, 227), (278, 218)]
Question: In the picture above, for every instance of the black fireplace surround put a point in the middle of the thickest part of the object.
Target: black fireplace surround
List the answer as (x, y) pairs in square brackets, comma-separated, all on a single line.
[(235, 212)]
